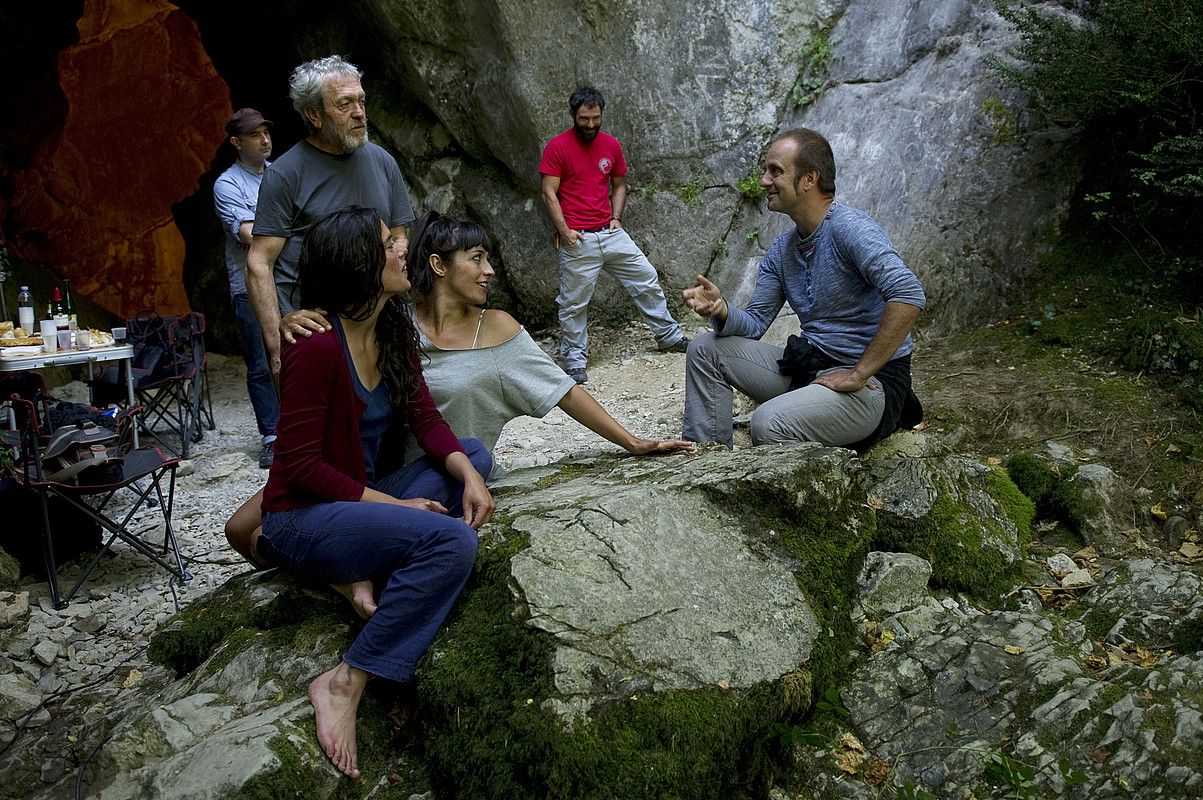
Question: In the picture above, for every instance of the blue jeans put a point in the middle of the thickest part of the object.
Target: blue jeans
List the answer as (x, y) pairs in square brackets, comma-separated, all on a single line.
[(259, 383), (418, 560), (580, 265)]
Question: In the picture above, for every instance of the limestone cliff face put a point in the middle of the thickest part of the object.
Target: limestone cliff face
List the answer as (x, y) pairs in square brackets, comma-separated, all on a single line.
[(926, 138), (144, 107)]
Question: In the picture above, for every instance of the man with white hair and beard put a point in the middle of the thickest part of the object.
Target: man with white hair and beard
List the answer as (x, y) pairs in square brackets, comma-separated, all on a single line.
[(334, 167)]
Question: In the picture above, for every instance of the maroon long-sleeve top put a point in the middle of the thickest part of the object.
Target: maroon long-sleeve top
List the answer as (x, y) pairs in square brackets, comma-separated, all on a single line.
[(319, 457)]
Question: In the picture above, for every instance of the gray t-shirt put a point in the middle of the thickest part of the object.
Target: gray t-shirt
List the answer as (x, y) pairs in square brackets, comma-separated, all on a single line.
[(479, 391), (306, 183)]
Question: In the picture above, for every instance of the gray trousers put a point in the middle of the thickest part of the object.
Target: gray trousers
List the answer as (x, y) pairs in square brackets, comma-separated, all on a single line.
[(580, 265), (716, 364)]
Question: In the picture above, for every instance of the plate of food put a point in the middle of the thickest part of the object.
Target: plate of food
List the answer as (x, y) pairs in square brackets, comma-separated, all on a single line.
[(100, 338), (16, 351)]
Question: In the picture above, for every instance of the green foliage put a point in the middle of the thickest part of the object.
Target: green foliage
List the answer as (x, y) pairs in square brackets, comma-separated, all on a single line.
[(1188, 638), (816, 68), (908, 791), (1154, 341), (1130, 76), (691, 193), (1018, 777), (749, 186)]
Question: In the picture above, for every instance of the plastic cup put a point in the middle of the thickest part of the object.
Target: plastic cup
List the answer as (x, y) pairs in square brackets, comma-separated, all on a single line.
[(49, 336), (64, 340), (83, 340), (119, 335)]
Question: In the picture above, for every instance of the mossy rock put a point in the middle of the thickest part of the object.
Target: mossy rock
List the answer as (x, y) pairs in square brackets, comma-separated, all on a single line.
[(968, 520), (498, 721)]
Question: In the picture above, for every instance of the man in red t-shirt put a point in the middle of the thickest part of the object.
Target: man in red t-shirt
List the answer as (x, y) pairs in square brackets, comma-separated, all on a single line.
[(584, 187)]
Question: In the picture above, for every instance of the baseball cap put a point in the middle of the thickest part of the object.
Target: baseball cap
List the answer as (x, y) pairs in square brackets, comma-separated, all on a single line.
[(245, 120)]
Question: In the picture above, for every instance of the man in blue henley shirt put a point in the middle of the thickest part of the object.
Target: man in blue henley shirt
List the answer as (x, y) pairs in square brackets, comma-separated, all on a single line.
[(846, 380)]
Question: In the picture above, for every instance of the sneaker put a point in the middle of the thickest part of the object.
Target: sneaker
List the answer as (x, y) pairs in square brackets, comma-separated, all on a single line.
[(267, 453), (579, 375), (679, 346)]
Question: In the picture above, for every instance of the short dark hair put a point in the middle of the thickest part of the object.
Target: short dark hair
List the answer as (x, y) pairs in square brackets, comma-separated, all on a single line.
[(586, 96), (814, 152), (342, 258), (440, 234)]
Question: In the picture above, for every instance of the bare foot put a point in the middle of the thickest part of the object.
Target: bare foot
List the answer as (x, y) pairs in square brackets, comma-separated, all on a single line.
[(359, 595), (335, 697)]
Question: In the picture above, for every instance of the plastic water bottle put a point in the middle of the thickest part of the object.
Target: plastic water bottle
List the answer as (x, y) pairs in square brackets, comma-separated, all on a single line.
[(25, 311)]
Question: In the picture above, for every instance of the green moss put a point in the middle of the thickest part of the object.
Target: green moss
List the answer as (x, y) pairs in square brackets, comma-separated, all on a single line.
[(1014, 504), (1053, 492), (195, 633), (567, 472)]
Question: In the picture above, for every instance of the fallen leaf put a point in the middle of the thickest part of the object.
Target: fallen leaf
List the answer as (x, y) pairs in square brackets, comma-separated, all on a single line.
[(132, 679), (1095, 662), (724, 685), (1191, 550), (1013, 649), (1157, 513), (994, 461), (849, 761), (1172, 449), (877, 772), (1100, 755), (1151, 440), (1086, 554), (849, 742), (875, 503)]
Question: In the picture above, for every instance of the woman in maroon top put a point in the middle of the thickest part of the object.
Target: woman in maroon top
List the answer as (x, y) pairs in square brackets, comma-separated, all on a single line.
[(332, 513)]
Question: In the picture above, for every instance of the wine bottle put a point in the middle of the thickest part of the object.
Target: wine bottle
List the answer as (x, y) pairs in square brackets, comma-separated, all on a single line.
[(69, 304)]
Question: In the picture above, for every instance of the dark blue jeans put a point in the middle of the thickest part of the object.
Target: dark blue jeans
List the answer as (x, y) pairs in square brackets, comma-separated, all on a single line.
[(259, 383), (418, 560)]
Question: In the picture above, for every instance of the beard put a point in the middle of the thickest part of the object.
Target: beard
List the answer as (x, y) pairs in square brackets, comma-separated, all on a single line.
[(346, 139), (350, 141), (586, 134)]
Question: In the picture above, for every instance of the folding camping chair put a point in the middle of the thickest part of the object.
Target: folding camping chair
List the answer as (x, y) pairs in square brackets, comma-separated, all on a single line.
[(171, 375), (27, 385), (146, 475)]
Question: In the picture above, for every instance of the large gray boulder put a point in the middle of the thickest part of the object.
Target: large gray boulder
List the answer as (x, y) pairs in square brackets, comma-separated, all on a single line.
[(635, 628)]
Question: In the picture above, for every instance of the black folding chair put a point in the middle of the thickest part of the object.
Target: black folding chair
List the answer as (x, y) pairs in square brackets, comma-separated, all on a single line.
[(147, 476), (171, 376)]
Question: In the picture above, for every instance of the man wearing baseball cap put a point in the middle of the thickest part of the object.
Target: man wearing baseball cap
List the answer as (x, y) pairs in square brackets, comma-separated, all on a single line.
[(235, 194)]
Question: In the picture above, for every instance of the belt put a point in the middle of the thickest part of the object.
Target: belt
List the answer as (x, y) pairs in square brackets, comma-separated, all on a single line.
[(598, 229)]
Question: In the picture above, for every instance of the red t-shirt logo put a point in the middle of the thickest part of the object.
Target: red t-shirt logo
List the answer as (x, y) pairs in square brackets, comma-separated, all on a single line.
[(604, 165)]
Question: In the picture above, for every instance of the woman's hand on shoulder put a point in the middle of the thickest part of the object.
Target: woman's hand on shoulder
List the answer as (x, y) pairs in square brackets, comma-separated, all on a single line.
[(303, 322), (499, 327), (660, 447)]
